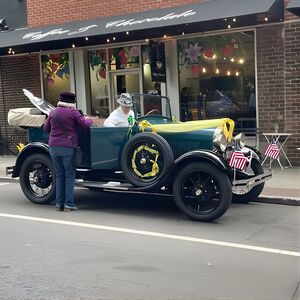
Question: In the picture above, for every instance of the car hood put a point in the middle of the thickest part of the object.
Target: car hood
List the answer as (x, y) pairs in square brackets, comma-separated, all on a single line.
[(39, 103), (226, 124)]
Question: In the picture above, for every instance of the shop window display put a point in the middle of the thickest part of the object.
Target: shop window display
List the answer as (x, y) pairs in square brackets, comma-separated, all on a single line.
[(124, 58), (217, 77), (99, 83), (56, 75)]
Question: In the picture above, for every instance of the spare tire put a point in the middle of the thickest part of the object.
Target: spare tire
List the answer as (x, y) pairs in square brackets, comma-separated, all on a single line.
[(145, 159)]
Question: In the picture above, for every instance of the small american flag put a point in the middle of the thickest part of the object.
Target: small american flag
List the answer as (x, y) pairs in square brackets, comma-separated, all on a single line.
[(238, 160), (272, 151)]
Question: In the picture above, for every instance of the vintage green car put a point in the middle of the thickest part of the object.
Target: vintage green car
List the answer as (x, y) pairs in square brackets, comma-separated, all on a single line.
[(189, 160)]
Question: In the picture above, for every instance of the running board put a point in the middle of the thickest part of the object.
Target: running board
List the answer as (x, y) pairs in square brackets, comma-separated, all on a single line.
[(114, 186), (111, 185)]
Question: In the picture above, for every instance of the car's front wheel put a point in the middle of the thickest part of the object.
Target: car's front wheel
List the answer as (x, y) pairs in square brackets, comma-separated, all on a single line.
[(202, 191), (37, 179)]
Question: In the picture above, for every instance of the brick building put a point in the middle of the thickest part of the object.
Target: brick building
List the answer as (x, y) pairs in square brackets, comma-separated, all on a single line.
[(222, 58)]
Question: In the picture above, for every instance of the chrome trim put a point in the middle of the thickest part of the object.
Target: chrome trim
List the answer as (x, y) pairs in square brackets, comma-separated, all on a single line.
[(243, 186)]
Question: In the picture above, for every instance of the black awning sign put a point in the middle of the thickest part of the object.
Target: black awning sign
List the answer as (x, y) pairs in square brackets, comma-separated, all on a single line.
[(158, 61)]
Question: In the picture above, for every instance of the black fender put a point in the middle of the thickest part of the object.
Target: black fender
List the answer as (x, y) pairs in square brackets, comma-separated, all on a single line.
[(207, 156), (255, 152), (29, 149)]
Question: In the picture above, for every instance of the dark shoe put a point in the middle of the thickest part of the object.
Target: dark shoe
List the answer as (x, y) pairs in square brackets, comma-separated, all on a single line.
[(70, 208), (59, 208)]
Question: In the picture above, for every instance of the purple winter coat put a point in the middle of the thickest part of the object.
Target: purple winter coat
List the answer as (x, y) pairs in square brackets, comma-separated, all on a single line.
[(70, 119)]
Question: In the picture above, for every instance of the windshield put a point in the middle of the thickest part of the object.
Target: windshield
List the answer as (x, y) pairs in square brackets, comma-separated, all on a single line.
[(39, 103), (151, 105)]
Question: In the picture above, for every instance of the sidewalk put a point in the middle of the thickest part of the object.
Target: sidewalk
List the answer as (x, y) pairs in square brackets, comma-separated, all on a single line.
[(283, 188)]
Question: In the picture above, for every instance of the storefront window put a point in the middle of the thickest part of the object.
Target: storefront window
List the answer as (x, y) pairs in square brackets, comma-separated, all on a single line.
[(56, 75), (99, 83), (217, 77), (124, 58), (148, 85)]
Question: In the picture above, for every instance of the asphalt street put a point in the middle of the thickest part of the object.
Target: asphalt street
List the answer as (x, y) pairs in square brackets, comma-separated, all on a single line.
[(141, 247)]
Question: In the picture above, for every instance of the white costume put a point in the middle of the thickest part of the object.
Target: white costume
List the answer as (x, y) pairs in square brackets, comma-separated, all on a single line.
[(118, 119)]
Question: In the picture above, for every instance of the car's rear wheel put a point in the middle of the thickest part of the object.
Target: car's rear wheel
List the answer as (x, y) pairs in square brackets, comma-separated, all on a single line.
[(37, 179), (145, 159), (202, 191), (252, 195)]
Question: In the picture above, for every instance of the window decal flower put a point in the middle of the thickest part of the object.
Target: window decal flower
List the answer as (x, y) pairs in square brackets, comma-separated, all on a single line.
[(193, 52)]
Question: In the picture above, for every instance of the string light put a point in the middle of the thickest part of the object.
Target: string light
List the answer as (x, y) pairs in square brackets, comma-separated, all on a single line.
[(228, 26), (147, 40), (234, 19), (165, 36), (107, 40), (127, 32), (241, 61), (217, 71), (228, 73), (232, 59), (183, 33), (73, 45), (237, 74), (203, 70), (86, 38), (266, 19), (114, 38)]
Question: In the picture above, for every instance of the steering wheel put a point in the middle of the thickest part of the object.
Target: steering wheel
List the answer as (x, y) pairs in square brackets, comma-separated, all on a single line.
[(152, 111)]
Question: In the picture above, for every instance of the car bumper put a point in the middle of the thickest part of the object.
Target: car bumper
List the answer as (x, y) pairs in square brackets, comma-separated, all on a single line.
[(243, 186)]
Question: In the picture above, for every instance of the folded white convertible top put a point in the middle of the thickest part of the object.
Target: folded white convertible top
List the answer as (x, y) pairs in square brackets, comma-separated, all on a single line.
[(28, 117)]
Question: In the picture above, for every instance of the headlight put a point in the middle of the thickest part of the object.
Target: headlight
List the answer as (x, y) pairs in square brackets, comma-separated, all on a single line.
[(220, 140), (240, 140)]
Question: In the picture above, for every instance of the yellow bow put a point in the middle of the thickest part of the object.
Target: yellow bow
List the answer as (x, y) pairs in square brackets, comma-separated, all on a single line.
[(144, 124), (228, 132)]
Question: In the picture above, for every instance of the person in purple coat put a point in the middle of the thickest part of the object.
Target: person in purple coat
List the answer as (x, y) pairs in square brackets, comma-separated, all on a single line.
[(61, 124)]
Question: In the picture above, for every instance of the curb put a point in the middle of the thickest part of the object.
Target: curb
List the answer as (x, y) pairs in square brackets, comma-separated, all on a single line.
[(278, 200), (9, 179)]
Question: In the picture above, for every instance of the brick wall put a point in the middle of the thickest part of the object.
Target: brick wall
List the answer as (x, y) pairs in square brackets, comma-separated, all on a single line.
[(16, 73), (58, 11), (278, 70)]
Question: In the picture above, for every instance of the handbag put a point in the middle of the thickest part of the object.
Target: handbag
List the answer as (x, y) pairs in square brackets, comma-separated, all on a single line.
[(78, 156)]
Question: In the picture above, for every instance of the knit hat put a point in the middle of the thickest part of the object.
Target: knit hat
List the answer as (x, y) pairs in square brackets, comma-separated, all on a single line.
[(67, 97), (125, 100)]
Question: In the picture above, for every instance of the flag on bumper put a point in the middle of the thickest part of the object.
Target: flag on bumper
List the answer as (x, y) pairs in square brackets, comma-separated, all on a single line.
[(238, 160)]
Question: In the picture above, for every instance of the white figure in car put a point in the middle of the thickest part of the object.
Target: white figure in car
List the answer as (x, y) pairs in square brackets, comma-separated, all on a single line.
[(119, 117)]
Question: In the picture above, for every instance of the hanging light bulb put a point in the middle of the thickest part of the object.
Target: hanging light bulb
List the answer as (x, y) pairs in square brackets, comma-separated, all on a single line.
[(241, 61), (228, 73), (217, 71), (203, 70), (86, 38), (73, 46), (237, 74), (107, 40)]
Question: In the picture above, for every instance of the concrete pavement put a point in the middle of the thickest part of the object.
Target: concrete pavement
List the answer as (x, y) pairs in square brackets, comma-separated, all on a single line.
[(283, 188)]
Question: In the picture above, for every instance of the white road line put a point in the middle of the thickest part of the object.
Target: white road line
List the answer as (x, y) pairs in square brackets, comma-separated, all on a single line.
[(155, 234), (4, 183)]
